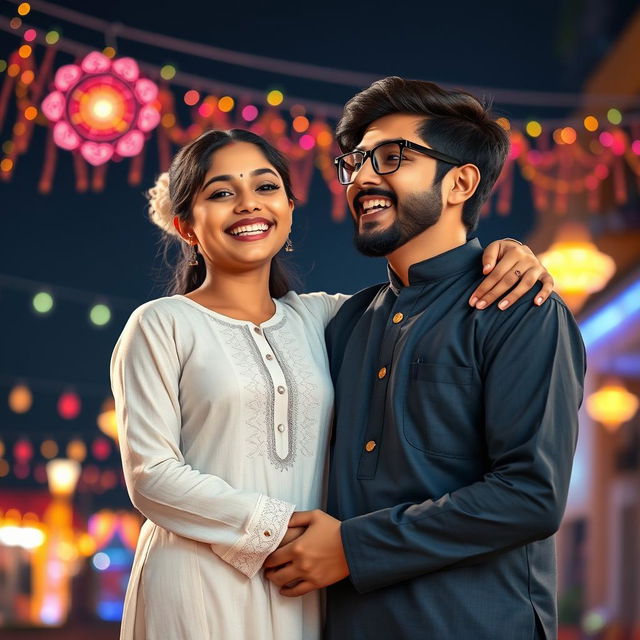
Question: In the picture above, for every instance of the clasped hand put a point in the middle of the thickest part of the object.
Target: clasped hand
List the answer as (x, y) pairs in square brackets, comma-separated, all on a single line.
[(310, 556)]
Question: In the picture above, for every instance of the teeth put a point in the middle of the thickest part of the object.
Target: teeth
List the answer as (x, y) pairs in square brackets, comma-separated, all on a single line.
[(252, 229), (376, 204)]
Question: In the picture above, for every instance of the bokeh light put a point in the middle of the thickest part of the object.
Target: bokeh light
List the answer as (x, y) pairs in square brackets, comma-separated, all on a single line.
[(52, 37), (275, 97), (614, 116), (69, 405), (226, 103), (100, 315), (191, 97), (250, 113), (42, 302), (591, 123), (300, 124), (168, 72), (24, 8), (77, 450), (30, 35), (49, 449), (20, 399), (533, 128)]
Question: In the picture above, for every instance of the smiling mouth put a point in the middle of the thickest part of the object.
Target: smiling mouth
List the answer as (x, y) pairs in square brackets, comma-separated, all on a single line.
[(248, 229), (370, 206)]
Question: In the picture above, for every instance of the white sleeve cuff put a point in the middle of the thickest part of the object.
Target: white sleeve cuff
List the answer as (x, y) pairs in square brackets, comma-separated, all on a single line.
[(264, 533)]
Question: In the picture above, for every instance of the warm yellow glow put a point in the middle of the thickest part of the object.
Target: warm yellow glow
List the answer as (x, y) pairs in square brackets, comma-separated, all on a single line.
[(612, 405), (578, 267), (102, 108), (533, 128), (86, 545), (24, 8), (63, 476), (20, 399), (107, 422), (77, 450), (25, 537), (226, 103), (504, 123), (591, 123)]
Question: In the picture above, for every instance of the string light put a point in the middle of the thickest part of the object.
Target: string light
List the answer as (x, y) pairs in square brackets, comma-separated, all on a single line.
[(52, 37), (275, 98), (20, 399), (30, 35), (226, 103), (191, 97), (24, 8), (100, 315), (168, 72), (591, 123), (300, 124), (533, 128), (42, 302), (614, 116), (250, 113)]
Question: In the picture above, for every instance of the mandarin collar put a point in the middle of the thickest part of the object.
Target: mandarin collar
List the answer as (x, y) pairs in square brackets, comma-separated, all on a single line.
[(443, 265)]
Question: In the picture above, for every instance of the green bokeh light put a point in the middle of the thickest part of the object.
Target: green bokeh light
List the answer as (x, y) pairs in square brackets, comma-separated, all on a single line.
[(42, 302), (100, 314)]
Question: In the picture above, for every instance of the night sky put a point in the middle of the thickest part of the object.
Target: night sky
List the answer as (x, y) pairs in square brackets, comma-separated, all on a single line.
[(103, 244)]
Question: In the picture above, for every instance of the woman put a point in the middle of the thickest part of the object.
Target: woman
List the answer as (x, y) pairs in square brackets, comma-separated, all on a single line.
[(224, 404)]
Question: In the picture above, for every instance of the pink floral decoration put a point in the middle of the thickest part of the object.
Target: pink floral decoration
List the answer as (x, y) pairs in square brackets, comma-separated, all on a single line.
[(102, 107)]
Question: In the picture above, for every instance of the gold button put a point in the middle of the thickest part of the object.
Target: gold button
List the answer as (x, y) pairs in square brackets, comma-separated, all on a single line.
[(267, 533), (399, 317), (382, 373), (370, 446), (281, 389)]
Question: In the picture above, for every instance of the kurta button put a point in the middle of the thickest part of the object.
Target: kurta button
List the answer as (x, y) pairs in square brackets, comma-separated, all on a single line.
[(281, 389), (370, 446), (269, 356), (281, 428), (382, 373), (257, 330), (267, 533), (399, 317)]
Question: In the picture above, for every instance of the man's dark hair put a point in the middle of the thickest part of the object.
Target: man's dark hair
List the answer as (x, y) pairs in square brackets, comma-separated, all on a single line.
[(456, 123)]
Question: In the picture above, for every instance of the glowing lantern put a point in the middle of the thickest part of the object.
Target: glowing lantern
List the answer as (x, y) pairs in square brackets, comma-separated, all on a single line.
[(107, 420), (69, 405), (102, 107), (20, 399), (63, 476), (612, 405), (577, 266)]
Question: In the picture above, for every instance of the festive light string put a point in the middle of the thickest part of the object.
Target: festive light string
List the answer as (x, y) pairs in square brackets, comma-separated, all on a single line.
[(552, 160), (297, 69)]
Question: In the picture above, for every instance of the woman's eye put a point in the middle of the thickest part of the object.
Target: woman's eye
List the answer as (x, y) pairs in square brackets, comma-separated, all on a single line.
[(268, 187), (219, 194)]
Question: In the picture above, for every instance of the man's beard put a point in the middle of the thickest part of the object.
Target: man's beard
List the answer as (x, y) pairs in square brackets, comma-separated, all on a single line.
[(416, 214)]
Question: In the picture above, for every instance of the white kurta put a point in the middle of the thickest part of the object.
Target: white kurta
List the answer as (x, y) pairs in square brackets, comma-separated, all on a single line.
[(223, 429)]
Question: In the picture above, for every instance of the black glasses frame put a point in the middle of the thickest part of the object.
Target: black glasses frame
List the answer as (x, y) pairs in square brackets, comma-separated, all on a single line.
[(403, 144)]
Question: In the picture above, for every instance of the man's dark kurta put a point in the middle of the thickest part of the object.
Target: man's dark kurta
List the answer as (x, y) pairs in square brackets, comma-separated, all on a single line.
[(454, 438)]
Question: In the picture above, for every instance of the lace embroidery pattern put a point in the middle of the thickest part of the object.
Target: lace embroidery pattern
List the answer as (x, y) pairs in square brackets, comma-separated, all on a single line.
[(257, 385), (261, 538), (304, 397)]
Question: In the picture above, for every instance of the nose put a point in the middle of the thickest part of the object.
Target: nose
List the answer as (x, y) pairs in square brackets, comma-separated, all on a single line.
[(247, 202), (365, 175)]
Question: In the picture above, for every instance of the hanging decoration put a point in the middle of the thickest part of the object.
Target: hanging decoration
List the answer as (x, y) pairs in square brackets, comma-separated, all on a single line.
[(101, 107), (103, 110)]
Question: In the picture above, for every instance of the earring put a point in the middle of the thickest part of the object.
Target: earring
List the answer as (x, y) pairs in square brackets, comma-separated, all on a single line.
[(288, 245), (193, 260)]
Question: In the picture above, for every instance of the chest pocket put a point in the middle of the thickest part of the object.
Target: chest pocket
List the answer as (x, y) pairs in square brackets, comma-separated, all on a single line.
[(443, 411)]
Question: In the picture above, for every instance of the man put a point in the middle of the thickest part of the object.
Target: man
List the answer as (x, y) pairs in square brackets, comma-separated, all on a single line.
[(455, 428)]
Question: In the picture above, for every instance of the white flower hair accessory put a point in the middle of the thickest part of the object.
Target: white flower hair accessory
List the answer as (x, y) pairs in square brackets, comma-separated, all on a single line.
[(160, 211)]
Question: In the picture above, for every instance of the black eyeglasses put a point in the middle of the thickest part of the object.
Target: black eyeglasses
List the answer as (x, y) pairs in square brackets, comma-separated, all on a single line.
[(386, 158)]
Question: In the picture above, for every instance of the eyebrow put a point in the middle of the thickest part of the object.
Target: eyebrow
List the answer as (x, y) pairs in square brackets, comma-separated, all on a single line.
[(358, 148), (228, 177)]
